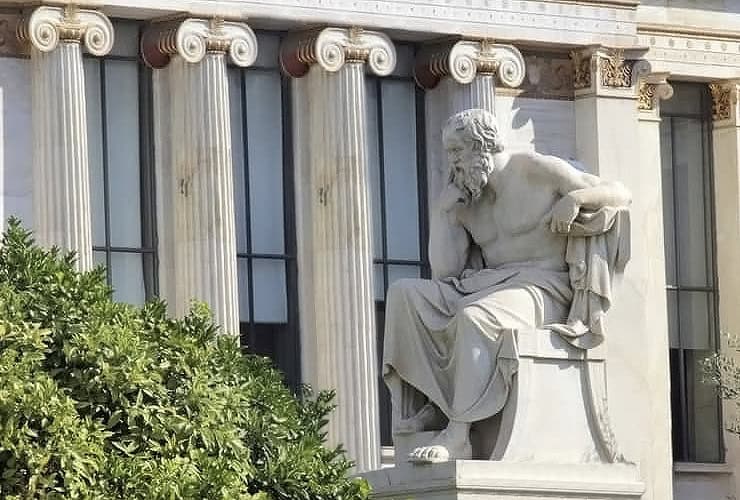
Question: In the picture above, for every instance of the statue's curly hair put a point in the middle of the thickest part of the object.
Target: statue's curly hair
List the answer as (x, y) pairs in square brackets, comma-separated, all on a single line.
[(477, 126)]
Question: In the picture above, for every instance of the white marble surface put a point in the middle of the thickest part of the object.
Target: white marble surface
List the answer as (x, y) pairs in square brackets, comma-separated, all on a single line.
[(15, 140), (485, 480), (607, 139)]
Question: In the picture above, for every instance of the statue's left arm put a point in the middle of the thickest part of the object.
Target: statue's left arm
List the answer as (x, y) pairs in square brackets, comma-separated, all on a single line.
[(579, 190)]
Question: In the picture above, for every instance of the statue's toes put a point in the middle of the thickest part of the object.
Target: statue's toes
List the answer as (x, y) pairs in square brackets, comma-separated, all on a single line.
[(438, 454)]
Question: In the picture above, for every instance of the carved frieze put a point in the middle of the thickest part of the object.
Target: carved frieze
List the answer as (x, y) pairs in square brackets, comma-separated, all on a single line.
[(464, 59), (615, 70), (721, 101), (332, 48), (192, 39), (46, 26)]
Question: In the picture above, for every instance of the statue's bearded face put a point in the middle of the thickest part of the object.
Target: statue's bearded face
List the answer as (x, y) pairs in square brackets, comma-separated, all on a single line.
[(469, 167)]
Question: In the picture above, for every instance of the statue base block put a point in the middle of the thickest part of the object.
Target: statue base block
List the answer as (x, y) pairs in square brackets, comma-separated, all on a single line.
[(493, 480)]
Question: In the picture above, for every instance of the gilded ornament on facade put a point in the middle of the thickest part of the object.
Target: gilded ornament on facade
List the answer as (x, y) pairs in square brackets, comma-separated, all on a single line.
[(721, 101), (581, 70), (646, 97), (615, 70)]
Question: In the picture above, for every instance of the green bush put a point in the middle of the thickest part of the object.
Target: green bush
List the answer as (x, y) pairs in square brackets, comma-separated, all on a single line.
[(106, 400)]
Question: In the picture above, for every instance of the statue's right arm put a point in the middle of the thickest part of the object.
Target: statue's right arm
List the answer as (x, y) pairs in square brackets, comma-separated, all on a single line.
[(449, 242)]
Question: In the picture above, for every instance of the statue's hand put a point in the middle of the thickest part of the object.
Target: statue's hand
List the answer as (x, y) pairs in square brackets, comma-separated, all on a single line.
[(562, 215), (450, 198)]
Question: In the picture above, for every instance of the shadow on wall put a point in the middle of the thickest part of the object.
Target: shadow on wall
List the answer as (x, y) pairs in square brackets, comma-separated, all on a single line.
[(543, 125), (15, 139)]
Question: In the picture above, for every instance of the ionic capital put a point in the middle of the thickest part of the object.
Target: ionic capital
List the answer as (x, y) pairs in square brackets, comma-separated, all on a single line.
[(331, 48), (192, 39), (652, 89), (464, 59), (608, 71), (45, 26), (725, 110)]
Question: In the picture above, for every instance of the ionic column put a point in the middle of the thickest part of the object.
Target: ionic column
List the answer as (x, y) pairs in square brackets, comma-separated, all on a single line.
[(457, 76), (615, 140), (334, 223), (197, 240), (61, 178)]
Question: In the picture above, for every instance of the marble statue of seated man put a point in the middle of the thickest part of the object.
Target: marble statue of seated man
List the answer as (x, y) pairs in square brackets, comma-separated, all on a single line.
[(446, 359)]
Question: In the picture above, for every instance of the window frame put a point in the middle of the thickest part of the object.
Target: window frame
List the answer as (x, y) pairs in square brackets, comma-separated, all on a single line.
[(147, 184), (685, 450)]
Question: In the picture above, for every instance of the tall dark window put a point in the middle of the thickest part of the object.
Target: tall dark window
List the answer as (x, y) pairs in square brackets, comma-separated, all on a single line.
[(691, 277), (118, 95), (395, 112), (263, 200)]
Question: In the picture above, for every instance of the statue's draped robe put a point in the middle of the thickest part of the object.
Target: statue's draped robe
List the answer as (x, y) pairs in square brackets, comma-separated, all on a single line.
[(451, 340)]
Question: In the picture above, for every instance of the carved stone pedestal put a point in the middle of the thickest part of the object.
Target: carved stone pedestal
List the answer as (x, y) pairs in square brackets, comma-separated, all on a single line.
[(491, 480)]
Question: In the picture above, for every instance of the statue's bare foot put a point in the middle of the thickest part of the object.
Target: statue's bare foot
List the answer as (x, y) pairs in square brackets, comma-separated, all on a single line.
[(453, 443), (424, 419)]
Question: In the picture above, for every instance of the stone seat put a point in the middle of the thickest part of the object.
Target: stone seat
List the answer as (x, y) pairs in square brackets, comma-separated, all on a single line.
[(556, 411)]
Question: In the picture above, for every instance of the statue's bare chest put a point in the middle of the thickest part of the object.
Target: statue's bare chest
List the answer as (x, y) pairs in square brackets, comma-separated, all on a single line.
[(516, 210)]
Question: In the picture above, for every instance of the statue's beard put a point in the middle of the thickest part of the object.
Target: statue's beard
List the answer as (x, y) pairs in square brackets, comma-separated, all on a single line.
[(473, 179)]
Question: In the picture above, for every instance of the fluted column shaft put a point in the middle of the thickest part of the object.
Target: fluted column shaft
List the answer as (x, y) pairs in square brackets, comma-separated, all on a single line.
[(460, 75), (338, 335), (61, 177), (198, 223)]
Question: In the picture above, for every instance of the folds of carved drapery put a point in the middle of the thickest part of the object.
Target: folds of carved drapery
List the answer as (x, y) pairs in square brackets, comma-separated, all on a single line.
[(196, 224), (61, 185)]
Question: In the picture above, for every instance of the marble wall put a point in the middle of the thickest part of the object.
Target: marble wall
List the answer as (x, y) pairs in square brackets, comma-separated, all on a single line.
[(15, 139)]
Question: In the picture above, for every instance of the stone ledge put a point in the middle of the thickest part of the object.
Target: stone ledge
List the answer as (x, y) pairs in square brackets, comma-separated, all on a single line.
[(491, 480)]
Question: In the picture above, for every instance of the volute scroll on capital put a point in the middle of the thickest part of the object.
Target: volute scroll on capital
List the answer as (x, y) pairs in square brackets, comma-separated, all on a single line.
[(332, 48), (464, 59), (46, 26), (192, 39)]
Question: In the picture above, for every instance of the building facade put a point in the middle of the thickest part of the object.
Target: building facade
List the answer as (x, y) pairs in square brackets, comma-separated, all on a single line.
[(277, 158)]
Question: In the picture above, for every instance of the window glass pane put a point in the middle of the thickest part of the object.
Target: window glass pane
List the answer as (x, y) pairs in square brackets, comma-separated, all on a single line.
[(237, 154), (99, 259), (95, 149), (378, 282), (673, 331), (668, 200), (399, 153), (127, 276), (704, 408), (269, 48), (694, 317), (405, 60), (688, 167), (122, 125), (265, 166), (374, 165), (126, 39), (687, 99), (397, 272), (242, 273), (270, 298)]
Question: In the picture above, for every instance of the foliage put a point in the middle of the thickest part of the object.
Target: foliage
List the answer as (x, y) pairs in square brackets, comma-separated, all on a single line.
[(101, 400), (722, 370)]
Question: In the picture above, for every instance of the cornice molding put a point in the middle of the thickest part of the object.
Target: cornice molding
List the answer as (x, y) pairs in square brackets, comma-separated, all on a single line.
[(46, 26), (463, 60), (192, 39), (332, 48)]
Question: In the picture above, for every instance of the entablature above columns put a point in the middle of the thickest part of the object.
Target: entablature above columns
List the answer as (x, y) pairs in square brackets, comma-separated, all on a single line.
[(691, 54), (332, 48), (562, 22), (192, 39), (464, 59)]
